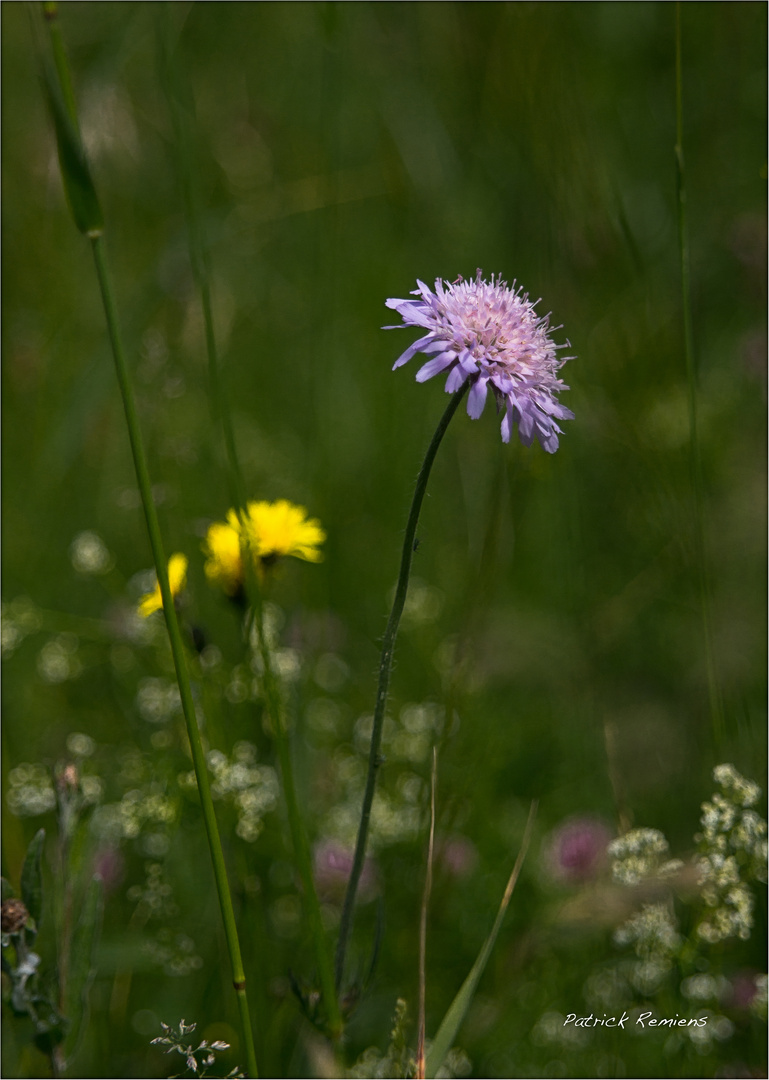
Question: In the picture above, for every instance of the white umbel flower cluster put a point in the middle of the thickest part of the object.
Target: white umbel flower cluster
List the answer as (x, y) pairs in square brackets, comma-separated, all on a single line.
[(653, 933), (638, 855), (732, 853)]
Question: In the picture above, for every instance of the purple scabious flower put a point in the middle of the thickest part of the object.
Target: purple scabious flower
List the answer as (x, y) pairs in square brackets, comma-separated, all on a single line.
[(490, 335)]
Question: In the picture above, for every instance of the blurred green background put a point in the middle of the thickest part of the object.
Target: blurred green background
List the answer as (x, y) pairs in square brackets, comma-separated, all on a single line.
[(343, 150)]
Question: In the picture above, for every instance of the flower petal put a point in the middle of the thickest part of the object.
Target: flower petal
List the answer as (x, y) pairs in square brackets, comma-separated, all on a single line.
[(526, 428), (467, 362), (434, 366), (549, 442), (425, 290), (415, 348), (456, 378), (507, 423), (414, 312), (477, 397)]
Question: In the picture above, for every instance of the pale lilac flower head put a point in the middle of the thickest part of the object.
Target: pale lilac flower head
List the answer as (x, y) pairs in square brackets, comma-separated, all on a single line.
[(490, 335)]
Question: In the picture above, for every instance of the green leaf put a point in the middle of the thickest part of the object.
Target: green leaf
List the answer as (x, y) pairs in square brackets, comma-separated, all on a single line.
[(75, 172), (457, 1011), (32, 877), (81, 962)]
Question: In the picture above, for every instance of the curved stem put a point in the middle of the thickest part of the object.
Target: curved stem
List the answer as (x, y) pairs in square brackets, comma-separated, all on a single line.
[(385, 670)]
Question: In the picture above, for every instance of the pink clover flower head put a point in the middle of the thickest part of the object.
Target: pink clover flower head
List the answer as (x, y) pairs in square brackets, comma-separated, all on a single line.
[(491, 335), (575, 852)]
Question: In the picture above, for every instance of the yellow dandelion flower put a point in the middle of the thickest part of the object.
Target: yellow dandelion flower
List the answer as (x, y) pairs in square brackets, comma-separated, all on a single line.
[(177, 579), (224, 565), (281, 528), (269, 531)]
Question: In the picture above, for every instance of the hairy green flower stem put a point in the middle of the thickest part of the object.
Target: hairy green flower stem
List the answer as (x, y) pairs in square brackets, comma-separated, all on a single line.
[(85, 208), (714, 693), (385, 670), (180, 106)]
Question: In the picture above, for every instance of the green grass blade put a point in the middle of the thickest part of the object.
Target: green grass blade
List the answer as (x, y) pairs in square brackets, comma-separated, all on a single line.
[(457, 1011), (75, 172), (81, 962), (32, 877)]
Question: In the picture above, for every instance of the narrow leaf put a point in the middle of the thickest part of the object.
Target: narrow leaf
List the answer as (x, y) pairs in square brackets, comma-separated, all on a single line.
[(421, 1065), (32, 877), (457, 1011), (75, 172), (81, 962)]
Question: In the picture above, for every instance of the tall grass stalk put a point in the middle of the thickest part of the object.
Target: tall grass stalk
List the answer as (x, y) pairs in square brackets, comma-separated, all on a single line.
[(695, 455), (385, 670), (177, 650), (180, 100), (95, 235)]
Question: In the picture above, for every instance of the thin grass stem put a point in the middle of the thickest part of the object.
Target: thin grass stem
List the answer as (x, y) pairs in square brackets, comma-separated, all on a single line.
[(385, 670), (179, 93), (87, 216), (177, 651), (695, 454)]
